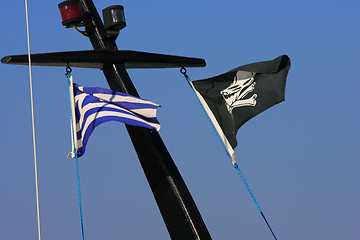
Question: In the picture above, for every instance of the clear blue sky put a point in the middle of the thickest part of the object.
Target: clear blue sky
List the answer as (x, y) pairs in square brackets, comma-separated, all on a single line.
[(301, 157)]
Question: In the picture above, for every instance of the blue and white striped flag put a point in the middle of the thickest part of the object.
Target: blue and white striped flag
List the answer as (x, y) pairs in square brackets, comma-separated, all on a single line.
[(93, 106)]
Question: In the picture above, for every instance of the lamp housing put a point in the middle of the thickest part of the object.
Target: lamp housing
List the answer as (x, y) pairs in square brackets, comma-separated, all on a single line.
[(114, 18), (70, 13)]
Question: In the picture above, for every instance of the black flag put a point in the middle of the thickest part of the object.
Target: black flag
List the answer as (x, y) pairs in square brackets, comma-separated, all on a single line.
[(235, 97)]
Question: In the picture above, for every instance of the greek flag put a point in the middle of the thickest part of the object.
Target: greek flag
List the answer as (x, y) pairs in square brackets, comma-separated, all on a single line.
[(93, 106)]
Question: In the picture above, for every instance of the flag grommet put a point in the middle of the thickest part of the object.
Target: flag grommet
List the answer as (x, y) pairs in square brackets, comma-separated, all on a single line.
[(68, 69), (183, 70)]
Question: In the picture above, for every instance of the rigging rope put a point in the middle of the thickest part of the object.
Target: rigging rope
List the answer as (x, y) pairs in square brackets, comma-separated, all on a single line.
[(33, 122), (236, 166), (74, 153)]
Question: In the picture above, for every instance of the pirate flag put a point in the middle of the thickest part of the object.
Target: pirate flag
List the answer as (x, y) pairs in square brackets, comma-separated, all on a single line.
[(233, 98)]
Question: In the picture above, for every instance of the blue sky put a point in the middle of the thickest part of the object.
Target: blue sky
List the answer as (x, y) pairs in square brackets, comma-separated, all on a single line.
[(301, 157)]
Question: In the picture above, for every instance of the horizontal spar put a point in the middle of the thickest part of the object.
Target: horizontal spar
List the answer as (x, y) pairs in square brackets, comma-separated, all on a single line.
[(99, 58)]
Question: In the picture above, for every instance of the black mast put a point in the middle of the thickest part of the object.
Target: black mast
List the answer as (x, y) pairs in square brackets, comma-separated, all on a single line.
[(178, 209)]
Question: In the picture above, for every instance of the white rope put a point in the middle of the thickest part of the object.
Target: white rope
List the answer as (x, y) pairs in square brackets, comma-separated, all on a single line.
[(33, 122)]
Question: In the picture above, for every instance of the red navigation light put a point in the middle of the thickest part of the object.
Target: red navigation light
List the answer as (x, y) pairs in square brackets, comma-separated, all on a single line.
[(70, 13)]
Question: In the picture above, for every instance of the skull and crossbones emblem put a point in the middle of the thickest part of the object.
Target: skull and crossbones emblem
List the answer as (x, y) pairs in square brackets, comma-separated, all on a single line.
[(234, 95)]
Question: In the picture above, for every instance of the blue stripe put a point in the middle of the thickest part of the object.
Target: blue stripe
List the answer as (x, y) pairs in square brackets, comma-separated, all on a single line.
[(130, 105), (108, 107), (127, 105), (94, 90), (101, 120)]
